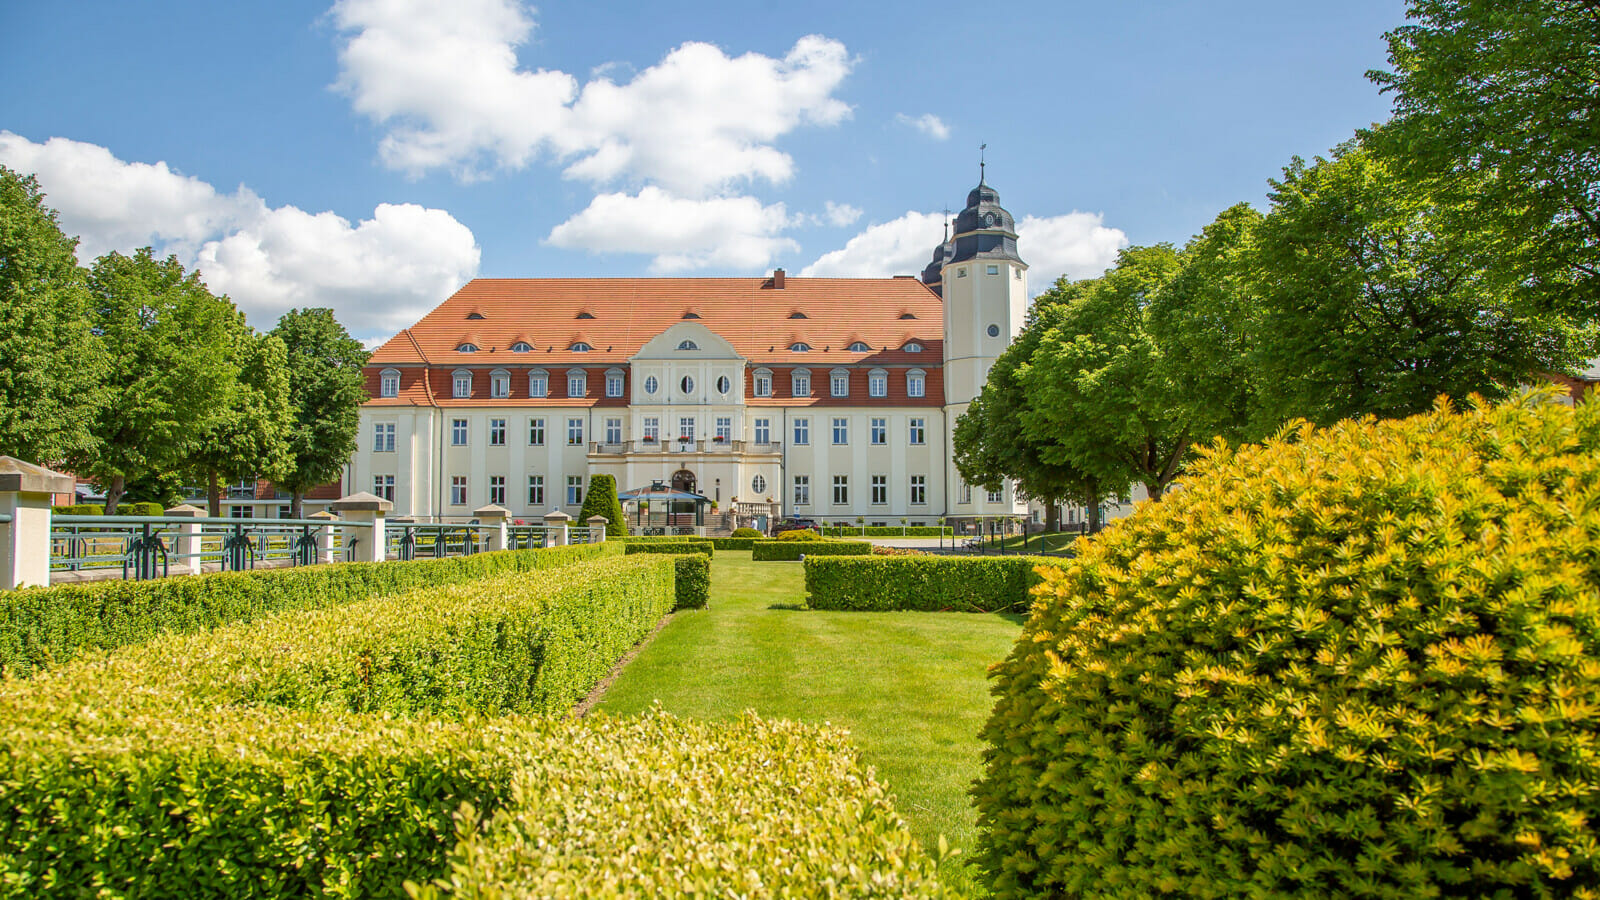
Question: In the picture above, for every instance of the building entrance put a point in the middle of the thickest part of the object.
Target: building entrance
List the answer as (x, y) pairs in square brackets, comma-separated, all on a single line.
[(683, 480)]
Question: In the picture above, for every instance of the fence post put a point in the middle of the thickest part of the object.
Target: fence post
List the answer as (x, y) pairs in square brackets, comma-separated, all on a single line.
[(186, 540), (325, 551), (597, 529), (26, 496), (370, 543), (495, 517), (556, 522)]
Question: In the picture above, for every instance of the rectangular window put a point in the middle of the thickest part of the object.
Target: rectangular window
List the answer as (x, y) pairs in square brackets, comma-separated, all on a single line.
[(878, 384), (841, 430), (800, 383), (880, 431), (652, 429), (613, 384), (839, 384), (574, 490), (966, 492), (841, 490), (383, 438), (802, 431), (500, 386), (574, 432), (997, 496), (497, 432), (802, 490), (458, 490), (763, 431), (535, 490), (992, 270), (383, 486), (536, 432), (919, 490), (389, 384), (763, 384), (686, 428), (880, 490), (961, 272), (458, 432), (613, 431), (538, 384), (575, 383), (919, 430), (724, 429), (497, 490)]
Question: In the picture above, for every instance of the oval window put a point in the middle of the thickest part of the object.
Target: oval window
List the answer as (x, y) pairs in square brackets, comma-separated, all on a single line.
[(758, 484), (650, 384), (994, 331), (723, 384), (687, 384)]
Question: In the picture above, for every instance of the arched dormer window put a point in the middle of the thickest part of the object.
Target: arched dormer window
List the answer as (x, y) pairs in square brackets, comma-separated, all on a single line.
[(499, 384), (763, 382), (797, 314), (577, 383), (859, 347), (799, 347), (538, 383), (912, 347), (584, 315), (521, 347), (839, 383), (691, 315), (688, 345), (467, 347), (580, 347), (877, 383), (614, 379), (916, 383), (475, 315), (389, 383), (800, 383), (461, 383)]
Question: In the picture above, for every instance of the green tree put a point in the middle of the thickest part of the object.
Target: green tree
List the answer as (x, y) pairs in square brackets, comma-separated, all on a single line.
[(1100, 399), (1373, 296), (326, 390), (165, 337), (50, 364), (603, 501), (249, 438)]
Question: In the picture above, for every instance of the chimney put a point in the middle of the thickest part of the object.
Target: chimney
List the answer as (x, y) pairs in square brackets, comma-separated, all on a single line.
[(777, 279)]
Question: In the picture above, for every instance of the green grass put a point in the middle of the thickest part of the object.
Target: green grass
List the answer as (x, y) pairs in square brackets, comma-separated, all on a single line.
[(910, 687), (1054, 542)]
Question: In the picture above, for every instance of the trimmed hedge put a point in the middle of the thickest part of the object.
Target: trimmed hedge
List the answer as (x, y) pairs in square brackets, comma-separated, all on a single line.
[(705, 547), (1356, 661), (924, 583), (747, 533), (767, 551), (888, 531), (79, 509), (47, 626), (720, 543), (692, 574)]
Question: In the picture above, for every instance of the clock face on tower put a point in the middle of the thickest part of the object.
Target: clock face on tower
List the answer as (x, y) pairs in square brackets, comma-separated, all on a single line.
[(988, 219)]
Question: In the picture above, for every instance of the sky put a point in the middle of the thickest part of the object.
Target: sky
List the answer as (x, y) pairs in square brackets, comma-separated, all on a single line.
[(374, 155)]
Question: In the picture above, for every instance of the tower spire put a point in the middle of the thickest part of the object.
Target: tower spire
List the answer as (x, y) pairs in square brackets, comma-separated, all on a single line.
[(947, 224), (982, 149)]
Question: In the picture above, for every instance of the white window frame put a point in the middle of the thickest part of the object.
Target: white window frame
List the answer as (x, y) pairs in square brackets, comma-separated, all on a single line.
[(459, 432), (499, 384), (841, 490), (614, 379), (763, 431), (802, 432), (461, 384), (497, 490), (383, 437), (536, 430), (916, 383), (458, 490), (839, 383), (574, 490), (686, 428), (878, 430), (916, 431), (574, 432), (763, 383), (577, 383), (651, 432), (535, 490), (383, 486), (877, 383), (724, 432), (880, 490), (389, 383), (841, 431), (613, 431), (919, 490), (802, 490), (497, 432), (538, 383), (800, 383)]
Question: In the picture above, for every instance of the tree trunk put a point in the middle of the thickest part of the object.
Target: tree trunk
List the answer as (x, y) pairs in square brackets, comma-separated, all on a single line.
[(296, 505), (1092, 507), (1155, 489), (114, 492), (1052, 515), (213, 494)]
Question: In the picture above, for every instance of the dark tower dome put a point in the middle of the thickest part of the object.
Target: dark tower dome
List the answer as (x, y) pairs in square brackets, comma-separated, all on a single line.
[(984, 230), (932, 275)]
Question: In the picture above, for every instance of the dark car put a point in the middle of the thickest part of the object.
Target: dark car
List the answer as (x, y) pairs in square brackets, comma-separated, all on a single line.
[(797, 524)]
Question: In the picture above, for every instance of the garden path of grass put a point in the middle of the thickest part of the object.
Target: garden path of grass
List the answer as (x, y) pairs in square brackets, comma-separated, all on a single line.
[(910, 687)]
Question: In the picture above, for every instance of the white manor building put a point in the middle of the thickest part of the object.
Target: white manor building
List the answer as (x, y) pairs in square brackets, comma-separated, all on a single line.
[(825, 397)]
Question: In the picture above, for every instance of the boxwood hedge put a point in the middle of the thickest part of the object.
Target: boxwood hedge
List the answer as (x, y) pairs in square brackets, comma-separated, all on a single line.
[(1348, 662), (720, 543), (765, 551), (41, 627), (705, 547), (926, 583), (886, 531), (693, 580)]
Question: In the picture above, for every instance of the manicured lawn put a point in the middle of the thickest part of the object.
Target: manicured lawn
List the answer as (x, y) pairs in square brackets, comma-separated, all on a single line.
[(910, 687), (1054, 542)]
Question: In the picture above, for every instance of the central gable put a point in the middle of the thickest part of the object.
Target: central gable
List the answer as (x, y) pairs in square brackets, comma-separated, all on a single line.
[(703, 343)]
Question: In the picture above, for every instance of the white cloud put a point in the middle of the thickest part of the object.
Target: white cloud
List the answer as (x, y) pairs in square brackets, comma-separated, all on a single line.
[(927, 123), (840, 214), (379, 275), (1076, 244), (723, 233), (445, 80)]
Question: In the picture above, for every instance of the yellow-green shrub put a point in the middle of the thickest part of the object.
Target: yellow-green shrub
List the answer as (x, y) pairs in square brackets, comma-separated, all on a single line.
[(685, 546), (1352, 662), (926, 583), (766, 551)]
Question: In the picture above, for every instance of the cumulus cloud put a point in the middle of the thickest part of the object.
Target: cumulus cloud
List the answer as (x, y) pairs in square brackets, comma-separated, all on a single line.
[(927, 123), (446, 83), (1077, 244), (379, 274), (840, 214), (724, 233)]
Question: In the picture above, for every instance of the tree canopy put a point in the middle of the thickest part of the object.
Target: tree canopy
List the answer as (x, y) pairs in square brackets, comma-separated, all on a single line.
[(326, 390), (249, 436)]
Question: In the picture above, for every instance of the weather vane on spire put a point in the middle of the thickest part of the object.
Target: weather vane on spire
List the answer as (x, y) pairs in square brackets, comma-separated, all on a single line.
[(982, 150)]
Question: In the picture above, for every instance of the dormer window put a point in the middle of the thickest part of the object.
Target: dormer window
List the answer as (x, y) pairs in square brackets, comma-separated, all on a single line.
[(584, 315), (499, 384), (912, 347), (580, 347), (877, 383), (839, 383), (521, 347), (614, 382), (461, 384), (389, 383), (688, 345), (538, 383), (763, 383), (797, 314), (859, 347), (800, 383), (691, 315), (475, 315), (916, 383), (907, 315), (577, 383), (467, 348), (799, 347)]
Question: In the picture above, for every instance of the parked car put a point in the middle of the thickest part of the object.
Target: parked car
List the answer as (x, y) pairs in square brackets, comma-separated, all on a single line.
[(797, 524)]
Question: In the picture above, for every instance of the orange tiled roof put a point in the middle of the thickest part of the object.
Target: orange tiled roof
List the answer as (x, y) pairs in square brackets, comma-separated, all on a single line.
[(750, 313)]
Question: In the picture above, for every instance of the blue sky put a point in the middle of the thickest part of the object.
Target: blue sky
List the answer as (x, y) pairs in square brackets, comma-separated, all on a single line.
[(371, 155)]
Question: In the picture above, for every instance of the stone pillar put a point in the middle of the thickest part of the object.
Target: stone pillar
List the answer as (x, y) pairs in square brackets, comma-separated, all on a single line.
[(325, 551), (597, 529), (186, 540), (556, 523), (495, 518), (27, 492), (370, 543)]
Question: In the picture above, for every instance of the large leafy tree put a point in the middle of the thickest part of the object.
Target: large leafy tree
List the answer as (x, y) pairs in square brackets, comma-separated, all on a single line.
[(1497, 107), (50, 365), (166, 339), (249, 437), (1373, 296), (326, 390), (1101, 399)]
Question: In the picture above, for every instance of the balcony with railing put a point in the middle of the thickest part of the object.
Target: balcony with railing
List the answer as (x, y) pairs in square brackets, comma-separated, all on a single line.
[(602, 448)]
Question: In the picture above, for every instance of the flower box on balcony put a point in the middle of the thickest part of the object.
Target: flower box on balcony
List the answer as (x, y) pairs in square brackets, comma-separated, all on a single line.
[(719, 439)]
